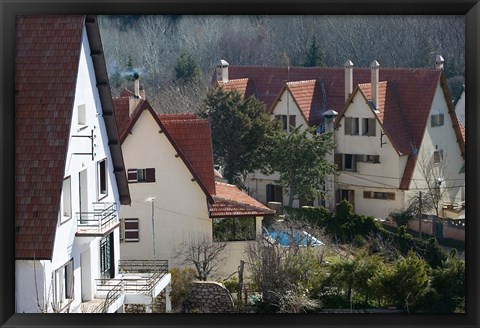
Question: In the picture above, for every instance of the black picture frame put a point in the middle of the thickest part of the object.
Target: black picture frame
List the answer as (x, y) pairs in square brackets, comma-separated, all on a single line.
[(10, 8)]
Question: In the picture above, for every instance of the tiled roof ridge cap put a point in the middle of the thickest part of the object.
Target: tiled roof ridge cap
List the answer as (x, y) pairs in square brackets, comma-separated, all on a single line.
[(293, 83), (334, 68)]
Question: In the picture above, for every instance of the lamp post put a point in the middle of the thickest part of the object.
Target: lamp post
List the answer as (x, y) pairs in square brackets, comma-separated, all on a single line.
[(152, 200)]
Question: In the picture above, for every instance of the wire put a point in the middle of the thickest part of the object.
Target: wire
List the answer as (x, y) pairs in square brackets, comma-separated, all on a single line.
[(173, 212)]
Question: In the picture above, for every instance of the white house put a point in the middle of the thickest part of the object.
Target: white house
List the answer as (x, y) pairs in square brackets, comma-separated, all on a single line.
[(302, 96), (70, 176), (174, 194), (398, 137)]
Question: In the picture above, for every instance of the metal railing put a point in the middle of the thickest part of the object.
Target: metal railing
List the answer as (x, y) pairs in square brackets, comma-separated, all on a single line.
[(150, 273), (103, 215), (114, 292)]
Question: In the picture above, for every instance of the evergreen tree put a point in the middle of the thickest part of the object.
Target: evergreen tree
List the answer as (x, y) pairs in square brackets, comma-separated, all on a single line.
[(186, 69), (242, 133), (314, 55), (301, 159)]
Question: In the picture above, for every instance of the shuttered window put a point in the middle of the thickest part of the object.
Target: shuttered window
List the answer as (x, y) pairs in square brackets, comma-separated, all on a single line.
[(437, 120), (348, 126), (368, 127), (379, 195), (129, 230), (141, 175), (287, 120)]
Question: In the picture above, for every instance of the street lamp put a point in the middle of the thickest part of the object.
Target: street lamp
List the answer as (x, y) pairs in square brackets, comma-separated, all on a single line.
[(152, 200)]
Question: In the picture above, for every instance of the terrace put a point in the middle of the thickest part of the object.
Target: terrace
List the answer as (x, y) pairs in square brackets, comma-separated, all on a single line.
[(99, 222)]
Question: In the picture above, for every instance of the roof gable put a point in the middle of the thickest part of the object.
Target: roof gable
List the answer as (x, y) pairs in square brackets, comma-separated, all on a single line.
[(46, 68), (189, 136)]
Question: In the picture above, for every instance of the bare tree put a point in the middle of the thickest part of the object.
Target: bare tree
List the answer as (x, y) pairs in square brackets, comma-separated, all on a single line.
[(201, 252)]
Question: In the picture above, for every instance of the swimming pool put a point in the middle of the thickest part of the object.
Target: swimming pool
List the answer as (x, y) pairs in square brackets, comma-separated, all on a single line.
[(301, 238)]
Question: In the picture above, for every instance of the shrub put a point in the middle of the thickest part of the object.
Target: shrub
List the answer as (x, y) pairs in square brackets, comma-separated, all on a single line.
[(181, 286)]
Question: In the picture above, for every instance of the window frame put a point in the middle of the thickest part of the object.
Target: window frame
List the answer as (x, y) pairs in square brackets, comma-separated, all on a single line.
[(277, 192), (147, 175), (233, 225), (102, 179), (369, 127), (66, 202), (353, 167), (81, 116), (64, 285), (437, 120), (124, 230)]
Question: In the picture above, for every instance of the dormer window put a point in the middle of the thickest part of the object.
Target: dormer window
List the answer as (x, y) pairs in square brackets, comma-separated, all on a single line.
[(436, 120)]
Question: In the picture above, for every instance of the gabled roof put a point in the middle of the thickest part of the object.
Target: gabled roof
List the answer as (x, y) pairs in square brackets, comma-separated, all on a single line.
[(189, 136), (309, 98), (244, 86), (231, 201), (46, 67), (405, 126)]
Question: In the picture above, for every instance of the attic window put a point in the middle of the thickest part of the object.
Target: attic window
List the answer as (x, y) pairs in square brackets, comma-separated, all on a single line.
[(82, 116), (368, 127), (437, 156), (141, 175), (352, 126), (436, 120), (287, 121)]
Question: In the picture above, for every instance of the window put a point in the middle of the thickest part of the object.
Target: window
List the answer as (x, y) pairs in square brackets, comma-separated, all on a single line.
[(437, 156), (129, 230), (63, 286), (351, 126), (379, 195), (368, 127), (274, 193), (234, 229), (349, 162), (66, 199), (141, 175), (106, 257), (436, 120), (102, 178), (81, 116), (285, 119)]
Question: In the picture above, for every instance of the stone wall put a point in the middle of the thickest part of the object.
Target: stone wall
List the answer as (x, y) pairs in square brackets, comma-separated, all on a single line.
[(209, 297), (158, 305)]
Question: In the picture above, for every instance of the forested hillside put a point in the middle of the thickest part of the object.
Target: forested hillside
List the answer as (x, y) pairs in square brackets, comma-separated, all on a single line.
[(176, 55)]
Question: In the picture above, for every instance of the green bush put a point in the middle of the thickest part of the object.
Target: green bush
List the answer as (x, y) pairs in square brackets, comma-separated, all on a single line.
[(181, 286), (231, 284)]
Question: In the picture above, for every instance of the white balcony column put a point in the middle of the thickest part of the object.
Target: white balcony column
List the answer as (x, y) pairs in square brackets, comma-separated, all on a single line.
[(168, 302)]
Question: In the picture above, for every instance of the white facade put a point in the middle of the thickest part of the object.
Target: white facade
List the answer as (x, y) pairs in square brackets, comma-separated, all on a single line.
[(179, 205), (373, 188), (38, 277)]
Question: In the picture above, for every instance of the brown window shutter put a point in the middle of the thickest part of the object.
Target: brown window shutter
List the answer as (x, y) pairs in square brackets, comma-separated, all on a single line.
[(441, 119), (292, 120), (131, 230), (348, 126), (376, 158), (150, 175), (132, 175), (284, 121), (367, 194), (390, 196), (338, 161), (371, 127)]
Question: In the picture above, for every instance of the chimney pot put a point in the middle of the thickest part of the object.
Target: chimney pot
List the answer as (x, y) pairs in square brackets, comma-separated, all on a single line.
[(222, 71), (439, 62), (348, 78), (375, 68)]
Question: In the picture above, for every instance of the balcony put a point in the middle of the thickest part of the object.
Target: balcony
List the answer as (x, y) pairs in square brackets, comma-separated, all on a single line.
[(138, 283), (99, 222)]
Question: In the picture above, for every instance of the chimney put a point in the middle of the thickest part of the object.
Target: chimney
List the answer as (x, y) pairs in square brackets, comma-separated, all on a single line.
[(142, 91), (348, 78), (136, 82), (375, 68), (135, 99), (222, 71), (439, 62)]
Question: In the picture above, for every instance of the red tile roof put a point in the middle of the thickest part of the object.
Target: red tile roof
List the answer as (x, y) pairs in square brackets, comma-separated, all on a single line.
[(231, 201), (187, 134), (46, 67), (47, 57), (244, 86), (193, 139), (408, 95)]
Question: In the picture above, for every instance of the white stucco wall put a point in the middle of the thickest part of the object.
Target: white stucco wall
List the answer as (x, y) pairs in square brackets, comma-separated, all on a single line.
[(442, 138), (180, 205), (380, 177), (66, 245)]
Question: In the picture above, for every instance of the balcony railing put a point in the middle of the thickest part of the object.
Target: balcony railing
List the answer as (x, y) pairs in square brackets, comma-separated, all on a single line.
[(141, 276), (101, 220), (114, 292)]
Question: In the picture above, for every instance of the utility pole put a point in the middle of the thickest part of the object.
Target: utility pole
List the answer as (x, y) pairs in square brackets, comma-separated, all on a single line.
[(420, 213)]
